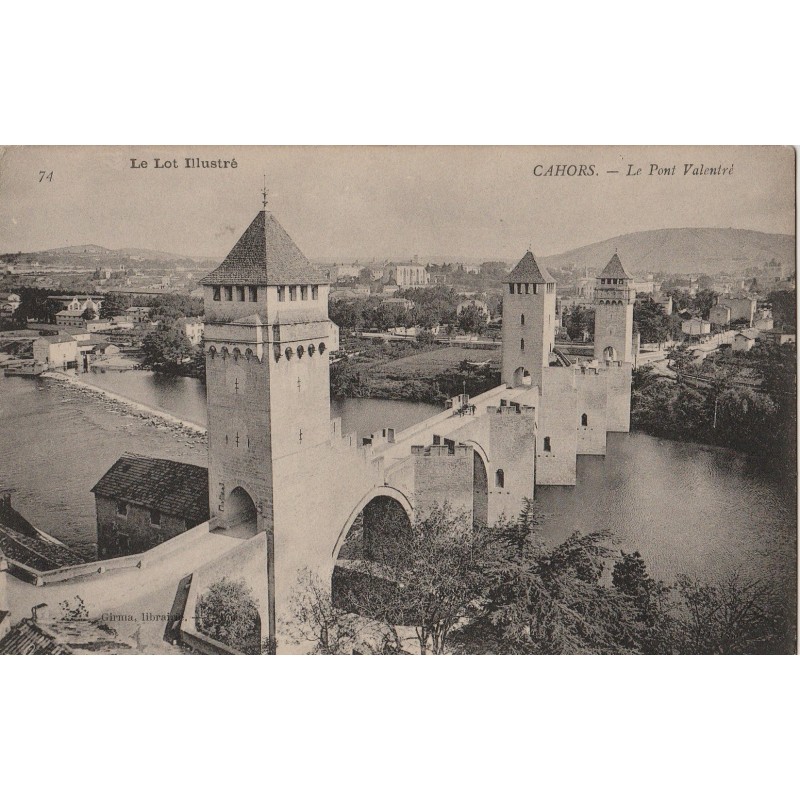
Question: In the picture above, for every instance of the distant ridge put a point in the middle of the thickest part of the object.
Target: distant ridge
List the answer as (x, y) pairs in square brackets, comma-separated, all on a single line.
[(681, 250)]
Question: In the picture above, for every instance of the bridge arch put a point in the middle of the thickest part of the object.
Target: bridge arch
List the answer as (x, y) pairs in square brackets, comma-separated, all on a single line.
[(241, 513), (609, 354), (379, 491), (521, 377), (480, 487)]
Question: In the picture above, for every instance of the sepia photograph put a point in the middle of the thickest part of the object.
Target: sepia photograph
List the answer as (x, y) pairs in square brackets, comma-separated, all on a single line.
[(398, 400)]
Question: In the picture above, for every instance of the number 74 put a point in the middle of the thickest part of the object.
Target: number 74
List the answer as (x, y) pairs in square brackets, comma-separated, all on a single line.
[(45, 176)]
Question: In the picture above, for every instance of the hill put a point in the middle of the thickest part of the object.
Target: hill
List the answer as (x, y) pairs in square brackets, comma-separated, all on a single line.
[(681, 250)]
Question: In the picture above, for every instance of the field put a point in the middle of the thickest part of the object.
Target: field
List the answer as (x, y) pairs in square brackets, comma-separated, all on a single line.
[(430, 363)]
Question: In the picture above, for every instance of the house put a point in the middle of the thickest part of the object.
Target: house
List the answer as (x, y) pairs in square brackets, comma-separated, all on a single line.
[(472, 302), (95, 346), (720, 315), (139, 313), (410, 274), (77, 313), (26, 547), (9, 303), (729, 309), (142, 501), (56, 352), (192, 328), (744, 340), (696, 327), (763, 320)]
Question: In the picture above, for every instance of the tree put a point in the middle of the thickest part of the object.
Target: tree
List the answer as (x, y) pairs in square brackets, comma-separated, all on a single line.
[(650, 598), (426, 579), (228, 613), (578, 322), (426, 338), (784, 308), (114, 305), (89, 314), (733, 617), (472, 319), (167, 350), (315, 622), (651, 321), (703, 302)]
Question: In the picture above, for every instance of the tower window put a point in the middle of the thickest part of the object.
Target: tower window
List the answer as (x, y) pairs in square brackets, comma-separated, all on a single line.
[(122, 509), (155, 518), (240, 294), (314, 292), (304, 292), (521, 344), (499, 479), (252, 293), (229, 293), (547, 444), (584, 420), (511, 288), (519, 288), (217, 292), (521, 319), (536, 288), (527, 288), (281, 293), (293, 293)]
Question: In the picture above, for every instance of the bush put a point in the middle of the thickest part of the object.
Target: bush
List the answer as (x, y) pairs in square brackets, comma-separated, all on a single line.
[(228, 613)]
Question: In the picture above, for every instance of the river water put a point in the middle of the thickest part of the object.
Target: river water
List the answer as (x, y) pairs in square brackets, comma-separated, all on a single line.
[(686, 507)]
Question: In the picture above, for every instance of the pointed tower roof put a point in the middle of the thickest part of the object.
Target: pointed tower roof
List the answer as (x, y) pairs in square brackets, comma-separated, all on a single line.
[(528, 271), (614, 269), (265, 255)]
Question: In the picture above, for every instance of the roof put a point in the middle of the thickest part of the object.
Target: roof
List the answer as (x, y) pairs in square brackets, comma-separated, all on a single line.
[(61, 338), (528, 271), (265, 255), (614, 269), (748, 334), (26, 638), (22, 542), (171, 487)]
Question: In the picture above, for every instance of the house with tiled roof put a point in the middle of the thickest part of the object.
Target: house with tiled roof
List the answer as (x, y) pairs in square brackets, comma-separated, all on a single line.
[(56, 352), (29, 638), (143, 501), (745, 340), (25, 547)]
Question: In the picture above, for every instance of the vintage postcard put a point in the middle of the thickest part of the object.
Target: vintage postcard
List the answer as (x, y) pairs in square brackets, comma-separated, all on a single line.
[(398, 400)]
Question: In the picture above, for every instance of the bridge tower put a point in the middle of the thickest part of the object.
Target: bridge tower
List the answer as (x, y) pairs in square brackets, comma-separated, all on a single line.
[(529, 313), (614, 298), (267, 344)]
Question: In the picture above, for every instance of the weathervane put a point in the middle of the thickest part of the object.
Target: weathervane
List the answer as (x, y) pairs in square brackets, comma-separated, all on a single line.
[(264, 193)]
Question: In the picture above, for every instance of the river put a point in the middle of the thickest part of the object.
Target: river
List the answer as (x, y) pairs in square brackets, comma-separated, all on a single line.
[(686, 507)]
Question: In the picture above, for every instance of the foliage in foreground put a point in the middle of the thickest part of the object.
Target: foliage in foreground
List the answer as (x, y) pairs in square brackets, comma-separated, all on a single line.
[(228, 613), (499, 590)]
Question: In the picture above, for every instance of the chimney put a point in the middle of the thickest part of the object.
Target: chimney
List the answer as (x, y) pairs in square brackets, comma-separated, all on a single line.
[(41, 613)]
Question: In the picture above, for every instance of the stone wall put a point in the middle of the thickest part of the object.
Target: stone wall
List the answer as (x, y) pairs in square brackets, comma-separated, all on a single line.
[(619, 397), (119, 536), (558, 416), (512, 443), (592, 398), (443, 475)]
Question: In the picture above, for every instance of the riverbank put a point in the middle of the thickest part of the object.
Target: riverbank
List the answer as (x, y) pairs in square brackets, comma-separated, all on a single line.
[(118, 403), (429, 375)]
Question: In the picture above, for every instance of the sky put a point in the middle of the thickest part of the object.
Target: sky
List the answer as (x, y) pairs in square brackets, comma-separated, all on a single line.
[(339, 203)]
